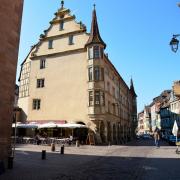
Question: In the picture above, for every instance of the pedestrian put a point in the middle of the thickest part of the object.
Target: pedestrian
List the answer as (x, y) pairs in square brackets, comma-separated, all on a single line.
[(37, 138), (156, 137)]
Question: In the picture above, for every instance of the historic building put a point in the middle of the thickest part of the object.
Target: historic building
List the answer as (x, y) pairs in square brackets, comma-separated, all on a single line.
[(10, 12), (161, 113), (67, 77), (141, 122)]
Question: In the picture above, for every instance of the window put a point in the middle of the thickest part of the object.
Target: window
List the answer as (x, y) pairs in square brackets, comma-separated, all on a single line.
[(102, 52), (42, 63), (108, 86), (90, 52), (90, 73), (102, 74), (109, 106), (50, 44), (97, 97), (96, 52), (114, 108), (40, 83), (36, 104), (71, 40), (90, 98), (61, 26), (102, 98), (113, 91), (96, 74)]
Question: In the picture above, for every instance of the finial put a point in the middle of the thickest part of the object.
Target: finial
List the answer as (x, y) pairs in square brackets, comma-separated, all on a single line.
[(94, 6), (62, 4)]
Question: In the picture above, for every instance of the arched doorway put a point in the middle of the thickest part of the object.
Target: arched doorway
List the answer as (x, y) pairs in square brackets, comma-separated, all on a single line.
[(108, 132), (118, 133), (102, 130), (80, 133), (114, 133)]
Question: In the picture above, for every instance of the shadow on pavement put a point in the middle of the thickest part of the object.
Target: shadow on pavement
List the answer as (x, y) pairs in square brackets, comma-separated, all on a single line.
[(29, 166)]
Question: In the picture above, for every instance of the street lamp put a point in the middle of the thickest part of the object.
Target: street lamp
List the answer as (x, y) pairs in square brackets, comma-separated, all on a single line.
[(174, 43)]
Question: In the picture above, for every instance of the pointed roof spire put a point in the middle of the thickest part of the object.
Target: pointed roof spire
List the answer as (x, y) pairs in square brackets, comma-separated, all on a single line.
[(132, 88), (94, 34)]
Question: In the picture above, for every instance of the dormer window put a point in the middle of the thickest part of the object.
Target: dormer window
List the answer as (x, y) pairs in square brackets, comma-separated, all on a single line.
[(50, 44), (61, 26), (71, 37)]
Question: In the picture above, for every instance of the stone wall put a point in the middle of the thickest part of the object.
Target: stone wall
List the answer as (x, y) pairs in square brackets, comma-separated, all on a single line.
[(10, 20)]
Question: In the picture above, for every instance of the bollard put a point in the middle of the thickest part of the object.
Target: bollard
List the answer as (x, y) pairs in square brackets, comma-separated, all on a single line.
[(62, 149), (43, 154), (10, 162), (53, 148), (77, 143)]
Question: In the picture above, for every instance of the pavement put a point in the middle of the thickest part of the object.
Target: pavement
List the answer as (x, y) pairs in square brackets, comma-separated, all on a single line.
[(138, 160)]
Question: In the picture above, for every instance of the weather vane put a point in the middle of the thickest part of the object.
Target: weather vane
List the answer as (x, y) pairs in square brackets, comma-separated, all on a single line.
[(62, 4), (94, 6)]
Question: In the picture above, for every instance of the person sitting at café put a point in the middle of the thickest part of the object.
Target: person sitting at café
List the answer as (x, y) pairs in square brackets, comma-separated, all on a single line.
[(70, 139)]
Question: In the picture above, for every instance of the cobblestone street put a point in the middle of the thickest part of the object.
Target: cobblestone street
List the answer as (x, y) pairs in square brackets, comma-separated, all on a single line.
[(137, 160)]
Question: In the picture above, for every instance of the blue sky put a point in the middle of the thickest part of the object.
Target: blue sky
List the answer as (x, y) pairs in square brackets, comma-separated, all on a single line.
[(137, 34)]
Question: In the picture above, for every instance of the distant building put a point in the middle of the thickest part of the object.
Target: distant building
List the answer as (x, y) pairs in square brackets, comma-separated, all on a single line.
[(174, 109), (67, 77), (16, 95), (10, 13), (161, 113), (176, 88), (141, 123), (147, 120)]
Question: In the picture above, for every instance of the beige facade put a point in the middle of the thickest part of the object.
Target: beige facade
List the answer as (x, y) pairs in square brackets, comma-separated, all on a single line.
[(10, 12), (70, 78)]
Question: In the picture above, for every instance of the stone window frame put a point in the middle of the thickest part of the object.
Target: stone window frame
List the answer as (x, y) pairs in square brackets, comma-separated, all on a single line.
[(40, 83), (36, 104), (71, 39), (42, 63), (50, 44), (61, 26)]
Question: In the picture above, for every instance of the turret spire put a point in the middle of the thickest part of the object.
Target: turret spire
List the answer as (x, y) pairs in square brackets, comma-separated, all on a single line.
[(132, 88), (94, 6), (95, 37)]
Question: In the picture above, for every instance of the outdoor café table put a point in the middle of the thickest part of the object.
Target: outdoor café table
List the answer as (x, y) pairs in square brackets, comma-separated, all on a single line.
[(52, 140), (43, 140), (27, 140)]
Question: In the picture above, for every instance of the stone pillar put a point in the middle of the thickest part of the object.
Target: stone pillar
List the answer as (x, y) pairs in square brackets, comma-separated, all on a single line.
[(10, 20)]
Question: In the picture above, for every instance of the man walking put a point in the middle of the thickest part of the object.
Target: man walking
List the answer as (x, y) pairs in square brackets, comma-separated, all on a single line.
[(156, 137)]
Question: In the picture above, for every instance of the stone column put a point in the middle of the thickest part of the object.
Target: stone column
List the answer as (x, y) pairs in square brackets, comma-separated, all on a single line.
[(10, 20)]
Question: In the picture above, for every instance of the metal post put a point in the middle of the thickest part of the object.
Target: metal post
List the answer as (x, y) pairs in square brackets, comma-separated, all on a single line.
[(176, 146), (10, 162), (43, 154), (62, 149), (15, 132)]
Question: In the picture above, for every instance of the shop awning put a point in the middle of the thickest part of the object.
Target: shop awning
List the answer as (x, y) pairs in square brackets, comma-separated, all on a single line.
[(71, 125), (48, 125), (24, 125)]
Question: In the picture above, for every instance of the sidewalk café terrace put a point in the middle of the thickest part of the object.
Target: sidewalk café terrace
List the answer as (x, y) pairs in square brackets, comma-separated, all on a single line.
[(48, 132)]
